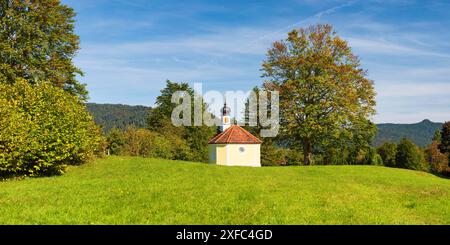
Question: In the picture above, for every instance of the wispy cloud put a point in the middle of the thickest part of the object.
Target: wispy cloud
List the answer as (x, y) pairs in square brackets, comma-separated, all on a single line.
[(217, 44), (315, 18), (373, 46), (413, 90)]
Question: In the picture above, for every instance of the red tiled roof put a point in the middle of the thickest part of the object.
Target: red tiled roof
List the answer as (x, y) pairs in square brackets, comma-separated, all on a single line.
[(235, 135)]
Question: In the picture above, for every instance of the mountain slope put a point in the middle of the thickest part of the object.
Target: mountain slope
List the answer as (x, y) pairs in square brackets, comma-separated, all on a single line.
[(119, 116), (420, 133)]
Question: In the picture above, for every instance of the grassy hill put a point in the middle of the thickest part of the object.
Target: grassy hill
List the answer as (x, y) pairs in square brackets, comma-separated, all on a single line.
[(420, 133), (125, 190)]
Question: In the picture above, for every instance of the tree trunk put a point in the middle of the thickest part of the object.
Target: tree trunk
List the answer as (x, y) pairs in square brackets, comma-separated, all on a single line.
[(307, 152)]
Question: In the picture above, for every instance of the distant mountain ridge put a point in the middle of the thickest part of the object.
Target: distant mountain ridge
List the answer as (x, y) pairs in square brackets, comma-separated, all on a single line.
[(420, 133), (120, 116)]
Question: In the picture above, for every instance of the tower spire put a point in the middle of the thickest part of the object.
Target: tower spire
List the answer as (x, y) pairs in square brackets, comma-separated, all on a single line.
[(226, 121)]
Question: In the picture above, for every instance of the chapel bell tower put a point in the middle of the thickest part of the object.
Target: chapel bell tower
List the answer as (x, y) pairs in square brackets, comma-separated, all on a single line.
[(226, 120)]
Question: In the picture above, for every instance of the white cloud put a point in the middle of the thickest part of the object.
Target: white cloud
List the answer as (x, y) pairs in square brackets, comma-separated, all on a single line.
[(373, 46), (412, 90), (227, 42)]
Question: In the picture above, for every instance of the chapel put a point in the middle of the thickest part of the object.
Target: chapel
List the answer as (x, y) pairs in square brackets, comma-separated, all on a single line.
[(233, 145)]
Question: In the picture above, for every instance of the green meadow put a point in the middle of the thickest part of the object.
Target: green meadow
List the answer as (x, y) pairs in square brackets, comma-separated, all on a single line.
[(126, 190)]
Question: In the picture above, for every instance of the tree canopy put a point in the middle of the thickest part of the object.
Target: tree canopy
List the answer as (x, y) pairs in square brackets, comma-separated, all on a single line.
[(409, 156), (325, 96), (196, 137), (388, 152), (38, 43)]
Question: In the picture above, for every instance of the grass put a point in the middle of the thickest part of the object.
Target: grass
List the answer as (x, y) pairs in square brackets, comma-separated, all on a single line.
[(125, 190)]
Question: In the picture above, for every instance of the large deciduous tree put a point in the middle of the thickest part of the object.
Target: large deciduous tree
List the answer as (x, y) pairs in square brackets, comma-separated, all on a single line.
[(324, 93), (37, 43)]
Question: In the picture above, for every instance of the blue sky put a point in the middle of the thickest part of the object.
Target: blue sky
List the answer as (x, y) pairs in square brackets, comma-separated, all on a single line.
[(130, 47)]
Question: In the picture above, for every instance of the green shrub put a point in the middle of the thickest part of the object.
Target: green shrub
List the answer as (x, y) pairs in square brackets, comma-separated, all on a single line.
[(115, 140), (388, 152), (137, 142), (371, 157), (335, 156), (272, 155), (410, 156), (293, 157), (147, 143), (377, 160), (43, 129)]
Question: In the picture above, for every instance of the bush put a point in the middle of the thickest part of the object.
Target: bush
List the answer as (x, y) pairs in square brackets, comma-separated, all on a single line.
[(410, 156), (293, 157), (371, 157), (377, 160), (335, 156), (115, 140), (146, 143), (43, 129), (388, 152), (272, 155)]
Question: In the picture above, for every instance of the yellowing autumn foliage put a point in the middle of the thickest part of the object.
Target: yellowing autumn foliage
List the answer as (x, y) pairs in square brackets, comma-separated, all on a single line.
[(43, 129)]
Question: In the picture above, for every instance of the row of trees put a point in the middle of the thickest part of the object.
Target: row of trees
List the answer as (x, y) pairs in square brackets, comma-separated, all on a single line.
[(44, 125), (407, 155), (434, 158)]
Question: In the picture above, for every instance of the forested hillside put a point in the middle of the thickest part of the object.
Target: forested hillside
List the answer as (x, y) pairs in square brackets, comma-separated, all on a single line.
[(420, 133), (115, 115), (120, 116)]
